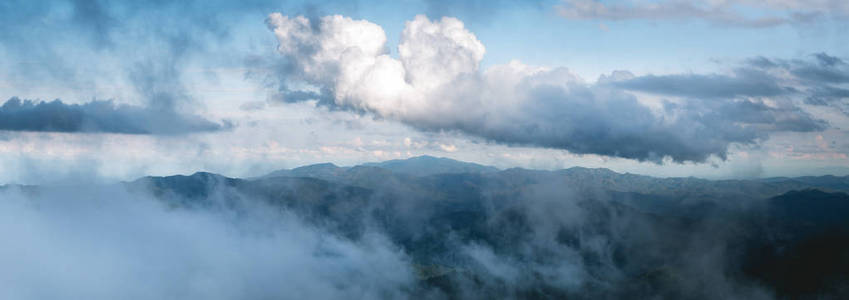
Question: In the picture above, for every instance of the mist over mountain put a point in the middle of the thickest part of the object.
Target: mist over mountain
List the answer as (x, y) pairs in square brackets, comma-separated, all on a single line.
[(429, 228), (270, 149)]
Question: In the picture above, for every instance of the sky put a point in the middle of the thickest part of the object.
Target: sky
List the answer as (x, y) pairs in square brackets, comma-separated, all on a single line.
[(114, 90)]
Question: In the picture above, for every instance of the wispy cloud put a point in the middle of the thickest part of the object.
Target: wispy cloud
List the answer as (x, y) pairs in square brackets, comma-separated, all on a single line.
[(105, 242), (738, 13)]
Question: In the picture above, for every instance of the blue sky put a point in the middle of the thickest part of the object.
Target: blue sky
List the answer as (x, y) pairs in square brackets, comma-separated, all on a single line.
[(717, 89)]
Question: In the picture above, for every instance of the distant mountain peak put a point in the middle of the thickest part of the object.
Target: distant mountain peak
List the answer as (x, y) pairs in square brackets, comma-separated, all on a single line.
[(204, 174), (321, 166), (427, 158), (429, 165), (578, 168)]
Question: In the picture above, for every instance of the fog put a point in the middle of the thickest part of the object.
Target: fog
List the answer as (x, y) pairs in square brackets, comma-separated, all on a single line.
[(101, 242), (367, 232)]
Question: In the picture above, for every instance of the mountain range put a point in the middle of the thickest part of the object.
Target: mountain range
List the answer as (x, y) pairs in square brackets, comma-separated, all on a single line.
[(477, 232), (622, 235)]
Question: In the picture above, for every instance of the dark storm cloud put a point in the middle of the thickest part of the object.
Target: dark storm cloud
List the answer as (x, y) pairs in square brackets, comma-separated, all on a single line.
[(97, 116)]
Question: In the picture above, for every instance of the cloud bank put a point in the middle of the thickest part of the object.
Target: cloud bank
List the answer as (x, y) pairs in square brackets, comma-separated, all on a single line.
[(436, 84), (103, 242), (98, 116)]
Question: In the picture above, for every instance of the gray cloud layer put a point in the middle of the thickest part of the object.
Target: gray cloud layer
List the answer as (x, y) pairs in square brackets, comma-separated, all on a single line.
[(706, 86), (97, 116), (596, 120), (819, 80)]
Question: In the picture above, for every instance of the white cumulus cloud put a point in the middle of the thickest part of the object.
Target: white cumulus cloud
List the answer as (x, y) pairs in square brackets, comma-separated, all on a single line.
[(436, 84)]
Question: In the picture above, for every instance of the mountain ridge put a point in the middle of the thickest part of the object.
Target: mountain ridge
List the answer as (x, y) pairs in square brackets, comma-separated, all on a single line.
[(399, 166), (645, 230)]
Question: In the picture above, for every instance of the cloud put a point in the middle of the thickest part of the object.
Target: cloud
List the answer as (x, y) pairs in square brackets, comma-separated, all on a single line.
[(104, 242), (738, 13), (820, 80), (825, 68), (368, 232), (98, 116), (743, 84), (108, 50), (436, 84)]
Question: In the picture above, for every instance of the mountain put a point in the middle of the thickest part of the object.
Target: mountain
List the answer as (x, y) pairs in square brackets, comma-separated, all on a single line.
[(429, 165), (688, 189), (324, 170), (415, 166), (472, 231), (802, 247)]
